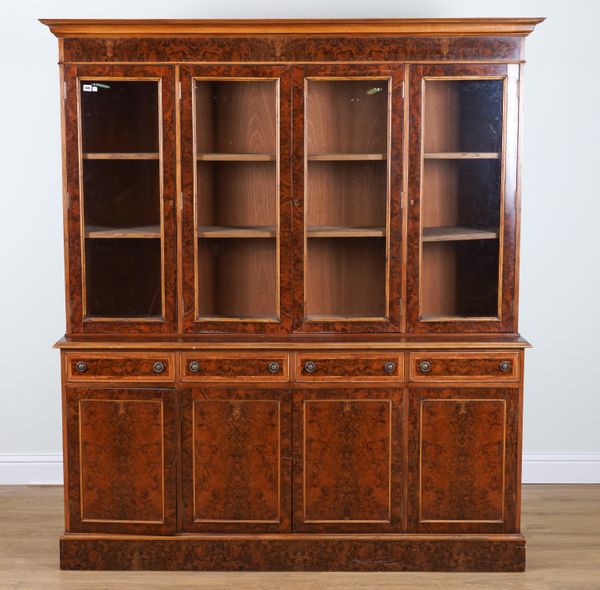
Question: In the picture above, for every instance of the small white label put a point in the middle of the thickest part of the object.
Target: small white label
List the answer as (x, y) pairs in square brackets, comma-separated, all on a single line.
[(88, 88)]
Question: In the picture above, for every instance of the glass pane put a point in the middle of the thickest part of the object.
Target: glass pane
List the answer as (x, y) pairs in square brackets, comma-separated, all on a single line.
[(119, 116), (347, 147), (237, 198), (461, 198), (121, 198), (123, 278)]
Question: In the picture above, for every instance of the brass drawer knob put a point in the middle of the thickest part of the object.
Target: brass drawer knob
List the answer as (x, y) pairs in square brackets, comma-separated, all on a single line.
[(504, 366), (273, 367), (158, 367), (389, 367), (310, 367), (81, 367), (194, 366), (424, 366)]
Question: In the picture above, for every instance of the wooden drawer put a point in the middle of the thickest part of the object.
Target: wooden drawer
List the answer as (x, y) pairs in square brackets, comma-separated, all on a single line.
[(120, 366), (350, 367), (461, 366), (225, 366)]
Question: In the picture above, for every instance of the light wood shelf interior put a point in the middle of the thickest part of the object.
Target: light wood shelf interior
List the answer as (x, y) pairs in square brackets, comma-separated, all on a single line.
[(225, 157), (345, 157), (461, 155), (103, 232), (217, 231), (344, 232), (121, 156), (455, 234)]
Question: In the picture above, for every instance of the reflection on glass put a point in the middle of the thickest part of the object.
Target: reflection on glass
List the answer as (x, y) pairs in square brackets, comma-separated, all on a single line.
[(461, 197), (121, 198)]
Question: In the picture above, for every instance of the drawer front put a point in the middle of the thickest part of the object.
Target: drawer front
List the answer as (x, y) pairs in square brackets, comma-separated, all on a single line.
[(349, 367), (130, 366), (224, 366), (458, 366)]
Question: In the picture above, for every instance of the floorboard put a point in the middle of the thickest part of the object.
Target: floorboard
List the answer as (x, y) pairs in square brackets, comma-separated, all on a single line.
[(561, 523)]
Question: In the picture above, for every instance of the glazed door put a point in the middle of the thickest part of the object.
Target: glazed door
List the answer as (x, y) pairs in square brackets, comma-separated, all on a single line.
[(236, 460), (347, 198), (119, 123), (121, 461), (235, 137), (348, 470), (462, 198), (464, 460)]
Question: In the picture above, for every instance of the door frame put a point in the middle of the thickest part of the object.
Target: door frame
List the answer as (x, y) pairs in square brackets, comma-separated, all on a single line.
[(190, 322), (392, 320), (508, 239), (77, 323)]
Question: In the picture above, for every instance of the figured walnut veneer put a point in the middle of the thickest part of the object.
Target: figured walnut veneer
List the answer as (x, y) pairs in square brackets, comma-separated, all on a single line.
[(323, 369)]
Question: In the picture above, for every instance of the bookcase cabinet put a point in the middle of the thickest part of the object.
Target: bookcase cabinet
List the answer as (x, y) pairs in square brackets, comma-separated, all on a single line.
[(291, 256)]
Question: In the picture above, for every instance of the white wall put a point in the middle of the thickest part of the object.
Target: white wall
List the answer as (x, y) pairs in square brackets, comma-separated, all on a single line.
[(561, 207)]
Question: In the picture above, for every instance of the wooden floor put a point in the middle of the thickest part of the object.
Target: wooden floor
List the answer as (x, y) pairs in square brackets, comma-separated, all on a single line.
[(561, 523)]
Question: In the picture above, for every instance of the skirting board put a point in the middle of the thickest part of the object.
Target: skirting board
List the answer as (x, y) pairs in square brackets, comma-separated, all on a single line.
[(46, 469)]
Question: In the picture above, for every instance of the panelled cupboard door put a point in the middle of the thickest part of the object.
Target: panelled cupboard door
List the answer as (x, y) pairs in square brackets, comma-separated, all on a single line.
[(119, 132), (462, 198), (235, 175), (236, 460), (121, 460), (348, 473), (464, 460), (347, 179)]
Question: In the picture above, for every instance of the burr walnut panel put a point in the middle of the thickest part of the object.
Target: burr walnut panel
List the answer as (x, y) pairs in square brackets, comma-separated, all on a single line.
[(121, 457), (463, 456), (349, 367), (347, 460), (236, 460), (233, 366), (461, 366), (124, 367)]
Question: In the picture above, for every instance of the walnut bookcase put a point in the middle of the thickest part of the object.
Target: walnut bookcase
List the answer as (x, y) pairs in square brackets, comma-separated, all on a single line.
[(291, 255)]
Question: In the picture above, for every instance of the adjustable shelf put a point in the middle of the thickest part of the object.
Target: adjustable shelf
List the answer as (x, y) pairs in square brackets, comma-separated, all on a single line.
[(344, 157), (461, 155), (457, 234), (217, 231), (217, 157), (324, 231), (103, 232), (121, 156)]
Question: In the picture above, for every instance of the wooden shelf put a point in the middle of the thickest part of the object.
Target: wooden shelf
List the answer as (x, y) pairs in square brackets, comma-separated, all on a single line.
[(342, 157), (121, 156), (215, 157), (461, 155), (457, 234), (217, 231), (103, 232), (324, 231)]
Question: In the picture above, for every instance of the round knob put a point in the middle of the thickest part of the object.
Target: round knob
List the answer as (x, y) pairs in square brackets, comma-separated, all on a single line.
[(273, 367), (81, 367), (424, 366), (310, 366), (194, 366), (389, 367), (504, 366), (158, 367)]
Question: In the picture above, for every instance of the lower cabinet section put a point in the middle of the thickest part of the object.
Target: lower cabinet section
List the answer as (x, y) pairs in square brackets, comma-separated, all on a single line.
[(463, 449), (403, 467), (121, 460), (236, 460), (348, 473)]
